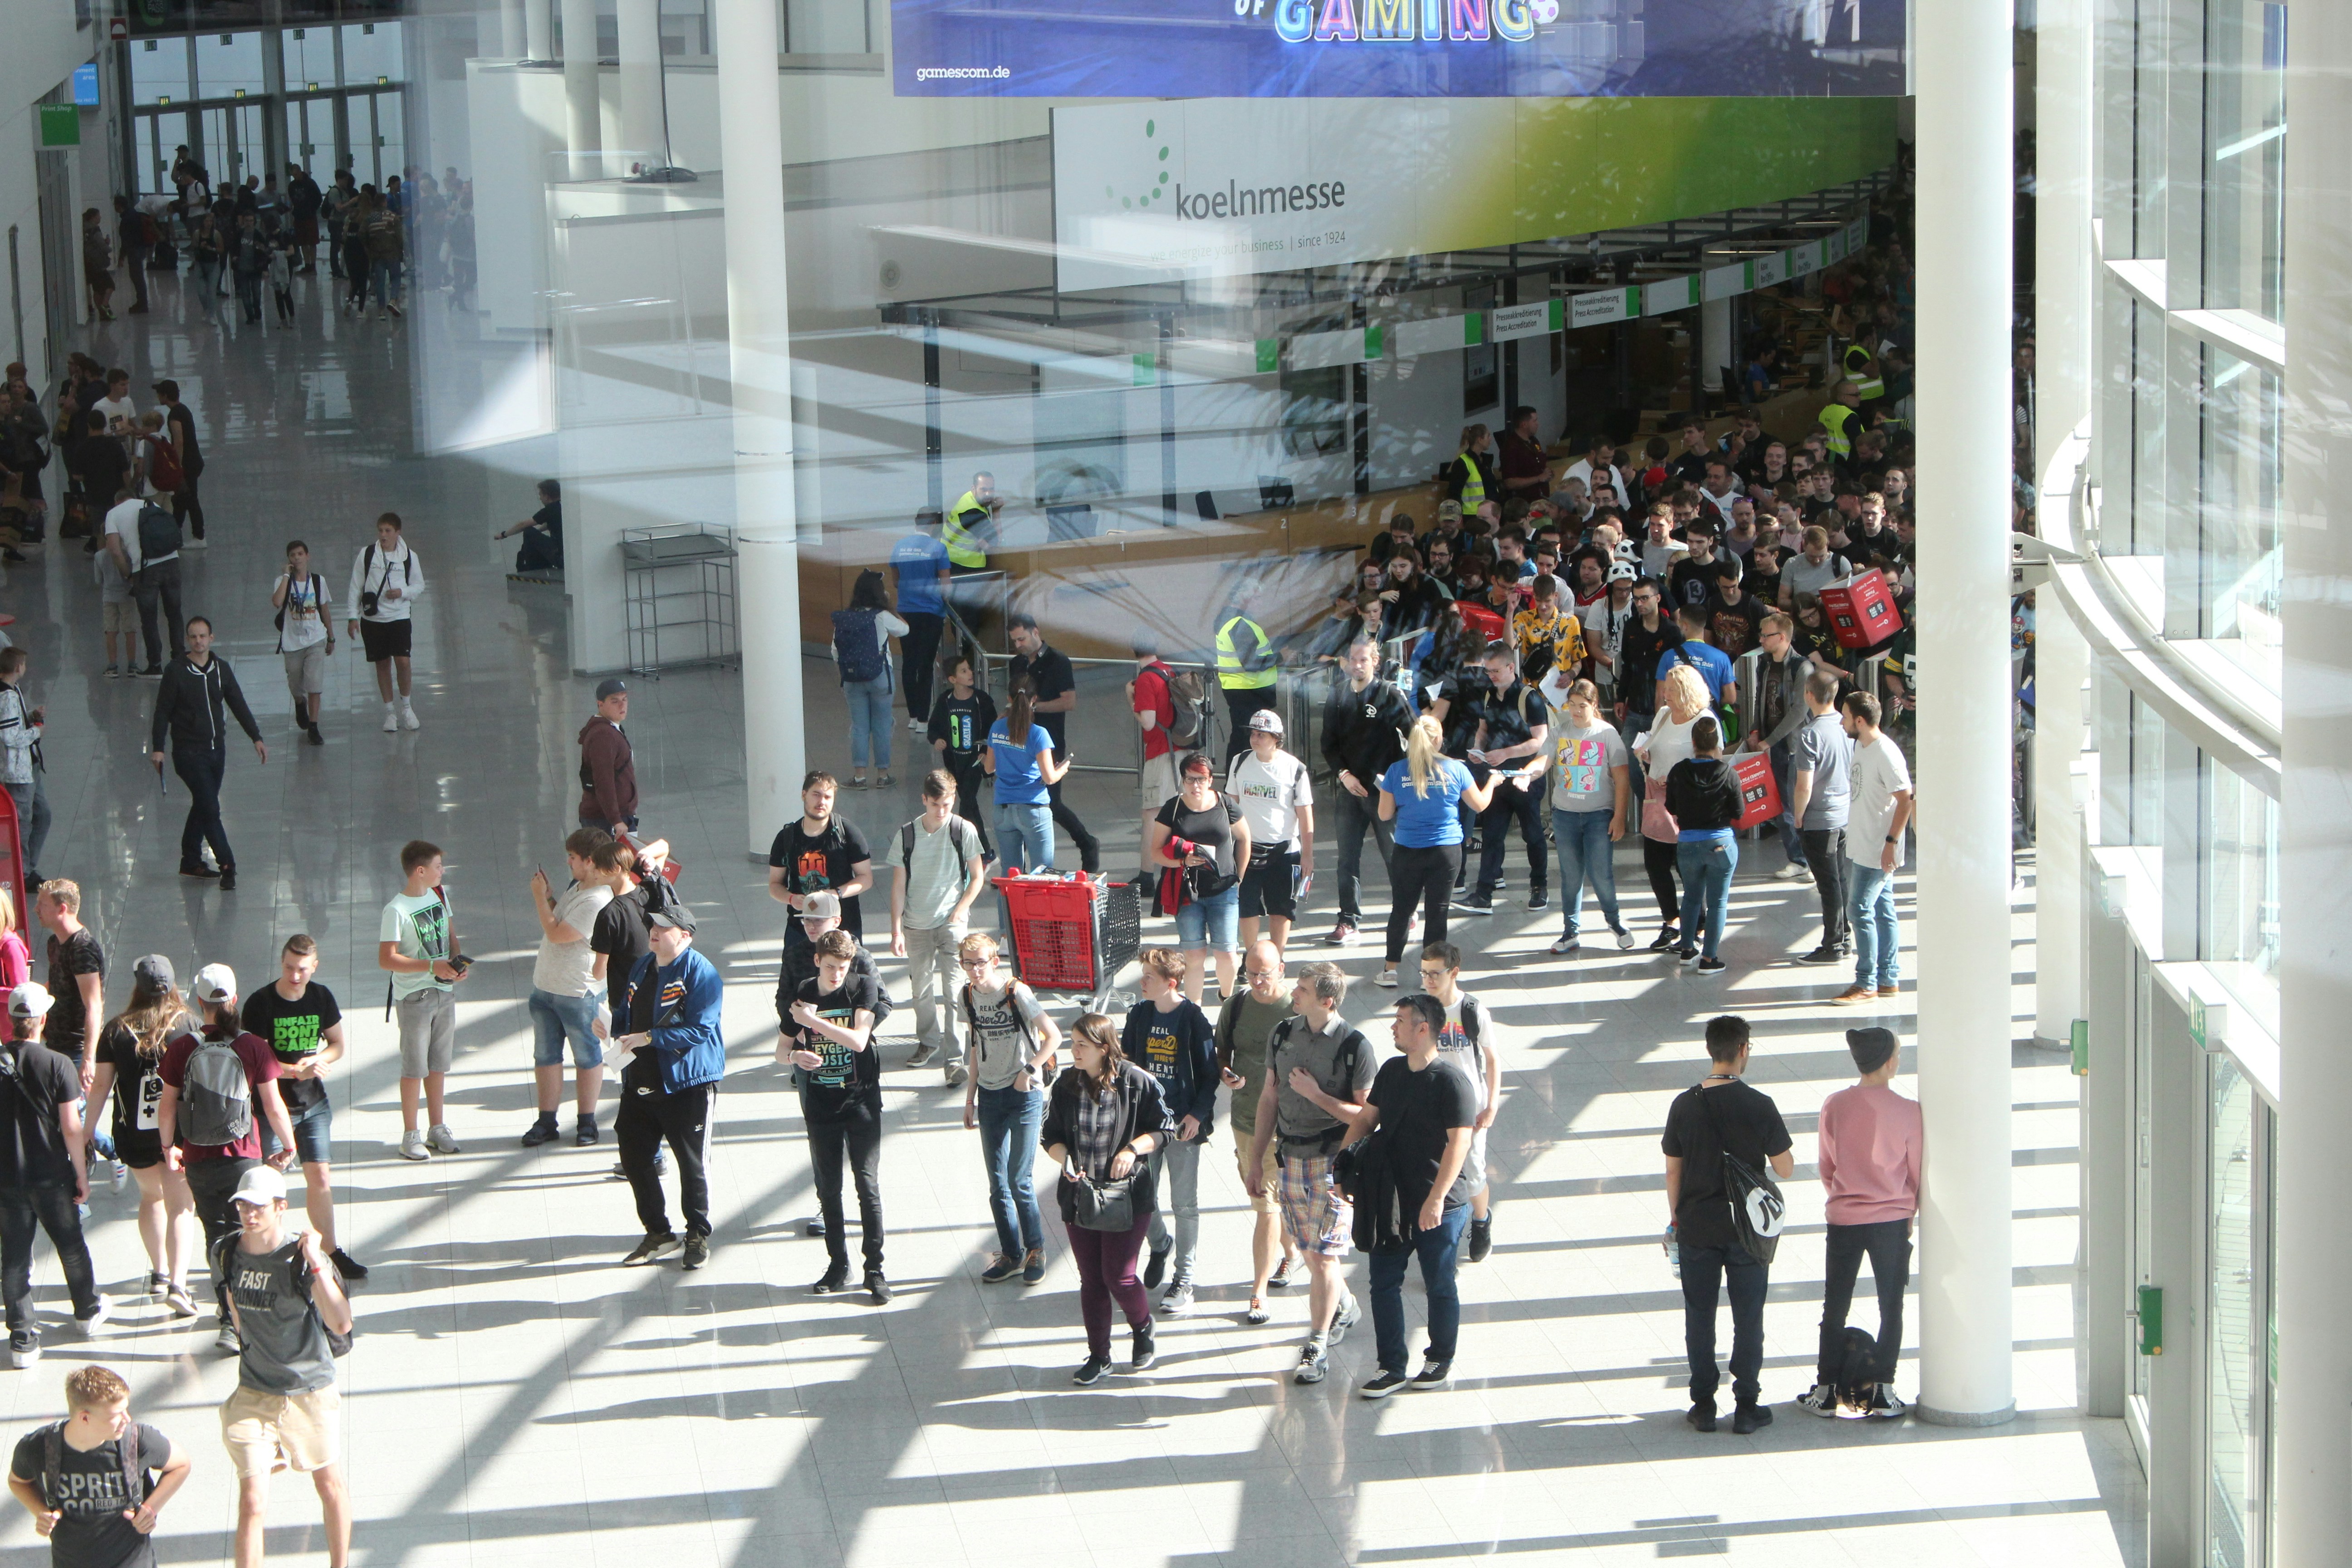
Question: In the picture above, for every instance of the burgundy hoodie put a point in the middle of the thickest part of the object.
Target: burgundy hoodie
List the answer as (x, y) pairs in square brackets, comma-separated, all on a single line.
[(608, 774)]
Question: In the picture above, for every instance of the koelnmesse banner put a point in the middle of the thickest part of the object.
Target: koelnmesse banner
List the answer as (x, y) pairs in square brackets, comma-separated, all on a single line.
[(1398, 48), (1150, 192)]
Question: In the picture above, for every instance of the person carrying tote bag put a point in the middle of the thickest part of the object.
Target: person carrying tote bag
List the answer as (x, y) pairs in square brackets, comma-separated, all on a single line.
[(1104, 1117)]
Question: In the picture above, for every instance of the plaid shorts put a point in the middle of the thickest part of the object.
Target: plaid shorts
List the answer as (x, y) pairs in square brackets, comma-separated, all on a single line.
[(1317, 1217)]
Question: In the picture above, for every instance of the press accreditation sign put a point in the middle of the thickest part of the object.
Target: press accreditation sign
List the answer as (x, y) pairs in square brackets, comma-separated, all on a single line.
[(1395, 49)]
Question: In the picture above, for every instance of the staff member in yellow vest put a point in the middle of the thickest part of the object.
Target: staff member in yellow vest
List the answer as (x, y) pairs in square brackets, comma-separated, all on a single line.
[(971, 525), (1838, 419), (1470, 477), (1247, 667), (1860, 370)]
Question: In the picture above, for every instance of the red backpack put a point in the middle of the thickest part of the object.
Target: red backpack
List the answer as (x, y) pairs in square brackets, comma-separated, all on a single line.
[(164, 470)]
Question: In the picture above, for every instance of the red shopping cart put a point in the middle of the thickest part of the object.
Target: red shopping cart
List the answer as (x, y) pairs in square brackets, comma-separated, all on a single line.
[(1071, 933)]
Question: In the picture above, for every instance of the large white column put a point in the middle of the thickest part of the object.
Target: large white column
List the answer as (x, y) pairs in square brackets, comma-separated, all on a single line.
[(1965, 113), (539, 30), (2315, 1269), (513, 32), (641, 83), (759, 343), (583, 117)]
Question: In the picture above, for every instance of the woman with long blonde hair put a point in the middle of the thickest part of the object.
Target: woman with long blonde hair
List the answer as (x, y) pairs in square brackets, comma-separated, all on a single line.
[(1422, 794), (129, 1063), (1668, 742), (1103, 1117)]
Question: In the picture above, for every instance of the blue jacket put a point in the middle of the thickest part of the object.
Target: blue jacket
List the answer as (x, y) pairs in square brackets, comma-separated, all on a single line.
[(690, 1050), (1186, 1064)]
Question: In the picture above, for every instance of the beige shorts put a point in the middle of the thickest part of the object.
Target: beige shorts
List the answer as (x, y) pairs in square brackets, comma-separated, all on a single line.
[(119, 619), (267, 1432), (1269, 1168), (306, 669), (1158, 780)]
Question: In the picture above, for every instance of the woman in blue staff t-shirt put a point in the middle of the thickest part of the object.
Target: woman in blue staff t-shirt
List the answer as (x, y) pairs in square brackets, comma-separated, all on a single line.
[(1423, 794), (1022, 768)]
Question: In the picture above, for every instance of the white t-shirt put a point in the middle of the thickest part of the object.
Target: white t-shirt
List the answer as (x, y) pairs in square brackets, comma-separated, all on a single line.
[(111, 406), (564, 968), (374, 571), (1668, 742), (419, 928), (1270, 795), (1456, 1048), (123, 522), (305, 613), (1879, 771)]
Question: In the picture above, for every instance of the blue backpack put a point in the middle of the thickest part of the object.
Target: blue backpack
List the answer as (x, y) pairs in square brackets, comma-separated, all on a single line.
[(856, 647)]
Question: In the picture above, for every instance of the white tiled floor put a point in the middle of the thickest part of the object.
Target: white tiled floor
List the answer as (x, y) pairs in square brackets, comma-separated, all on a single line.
[(517, 1400)]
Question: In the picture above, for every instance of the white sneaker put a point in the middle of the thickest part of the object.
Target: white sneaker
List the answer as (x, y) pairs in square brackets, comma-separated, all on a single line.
[(90, 1325), (440, 1141), (196, 544), (408, 719), (228, 1340), (412, 1145), (1794, 872), (390, 718), (916, 727)]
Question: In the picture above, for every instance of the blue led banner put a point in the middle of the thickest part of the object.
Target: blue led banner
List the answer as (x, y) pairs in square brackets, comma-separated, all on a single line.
[(1397, 48)]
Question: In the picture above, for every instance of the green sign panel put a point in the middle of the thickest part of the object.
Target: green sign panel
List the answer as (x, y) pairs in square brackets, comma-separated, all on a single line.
[(61, 125)]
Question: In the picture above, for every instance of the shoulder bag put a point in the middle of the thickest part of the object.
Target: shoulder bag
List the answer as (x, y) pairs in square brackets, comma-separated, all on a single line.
[(1759, 1213)]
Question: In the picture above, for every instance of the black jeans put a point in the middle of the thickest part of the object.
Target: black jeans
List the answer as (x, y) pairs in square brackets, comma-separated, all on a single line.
[(188, 508), (1825, 857), (649, 1116), (137, 256), (212, 1184), (972, 792), (1888, 1243), (857, 1136), (1089, 851), (155, 587), (248, 294), (1242, 704), (201, 769), (1662, 861), (1704, 1268), (1357, 814), (1423, 877), (919, 654), (50, 1207), (1512, 804)]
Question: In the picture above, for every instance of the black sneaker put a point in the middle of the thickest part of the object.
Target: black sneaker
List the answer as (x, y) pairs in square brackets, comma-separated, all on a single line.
[(1156, 1269), (1005, 1266), (541, 1132), (1482, 1239), (1091, 1371), (836, 1276), (1145, 1351), (1701, 1416), (311, 733), (1668, 936), (1824, 954), (877, 1287), (1541, 898), (1748, 1417), (1383, 1385), (651, 1248), (584, 1132), (1711, 967), (228, 879), (347, 1265), (697, 1252), (1434, 1373), (1685, 955), (1476, 904)]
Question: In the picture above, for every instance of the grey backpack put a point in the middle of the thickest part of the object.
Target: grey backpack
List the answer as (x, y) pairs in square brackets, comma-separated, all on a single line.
[(216, 1100)]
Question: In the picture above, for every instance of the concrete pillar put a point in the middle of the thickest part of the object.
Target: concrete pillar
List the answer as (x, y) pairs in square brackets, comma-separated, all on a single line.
[(1715, 342), (583, 117), (2315, 1270), (513, 32), (539, 30), (642, 140), (759, 343), (1964, 114)]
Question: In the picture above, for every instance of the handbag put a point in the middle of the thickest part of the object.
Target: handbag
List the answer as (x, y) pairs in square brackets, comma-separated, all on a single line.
[(1658, 823), (1104, 1205), (1759, 1213)]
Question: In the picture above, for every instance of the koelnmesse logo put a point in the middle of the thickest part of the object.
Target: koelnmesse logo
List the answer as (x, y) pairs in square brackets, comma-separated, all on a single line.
[(1235, 200), (1158, 189), (1403, 21)]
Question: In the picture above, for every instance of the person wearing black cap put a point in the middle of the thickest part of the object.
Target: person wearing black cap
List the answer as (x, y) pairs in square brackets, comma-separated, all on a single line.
[(675, 1057), (608, 767), (1872, 1142), (180, 429), (1721, 1115)]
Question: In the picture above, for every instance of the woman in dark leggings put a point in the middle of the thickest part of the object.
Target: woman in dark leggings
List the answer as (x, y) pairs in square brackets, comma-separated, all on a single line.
[(1668, 742), (1422, 794)]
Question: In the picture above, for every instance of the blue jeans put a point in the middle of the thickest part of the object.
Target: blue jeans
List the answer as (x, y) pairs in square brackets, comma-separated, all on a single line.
[(1024, 835), (32, 818), (1704, 1270), (1706, 866), (1009, 1123), (1583, 840), (207, 275), (555, 1019), (1438, 1250), (386, 279), (869, 720), (1214, 922), (1870, 905)]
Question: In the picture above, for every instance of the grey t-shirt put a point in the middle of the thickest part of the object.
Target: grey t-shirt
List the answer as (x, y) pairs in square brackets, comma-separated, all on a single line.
[(1325, 1056), (935, 881), (1798, 575), (1002, 1045), (1581, 764), (286, 1348), (1821, 744)]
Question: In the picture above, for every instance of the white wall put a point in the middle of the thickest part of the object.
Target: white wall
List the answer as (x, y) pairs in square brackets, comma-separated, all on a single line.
[(42, 48)]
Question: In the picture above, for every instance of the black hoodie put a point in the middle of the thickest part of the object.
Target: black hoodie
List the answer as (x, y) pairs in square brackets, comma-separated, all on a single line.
[(188, 705)]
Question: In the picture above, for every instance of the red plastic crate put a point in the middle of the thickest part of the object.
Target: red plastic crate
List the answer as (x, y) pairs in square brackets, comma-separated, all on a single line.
[(1860, 611), (1054, 926), (1759, 791)]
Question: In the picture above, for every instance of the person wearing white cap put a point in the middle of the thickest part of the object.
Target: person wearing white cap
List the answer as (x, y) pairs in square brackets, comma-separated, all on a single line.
[(43, 1176), (212, 1084), (1604, 628), (1276, 798), (288, 1309)]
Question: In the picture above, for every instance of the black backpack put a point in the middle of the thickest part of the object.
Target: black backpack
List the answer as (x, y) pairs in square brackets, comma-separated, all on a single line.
[(53, 1463), (1857, 1369), (159, 533)]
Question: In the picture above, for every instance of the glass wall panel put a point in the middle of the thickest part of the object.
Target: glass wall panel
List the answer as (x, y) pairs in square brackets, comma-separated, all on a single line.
[(371, 51), (2245, 150), (158, 71), (2236, 1321), (2238, 934), (309, 57), (2148, 514), (2239, 565), (2152, 29), (229, 64)]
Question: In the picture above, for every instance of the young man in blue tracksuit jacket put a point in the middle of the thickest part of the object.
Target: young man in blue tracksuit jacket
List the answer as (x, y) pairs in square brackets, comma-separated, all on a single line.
[(1170, 1037), (669, 1087)]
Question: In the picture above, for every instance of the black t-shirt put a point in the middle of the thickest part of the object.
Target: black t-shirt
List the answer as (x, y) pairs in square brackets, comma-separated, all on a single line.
[(182, 426), (93, 1532), (621, 934), (1211, 830), (1736, 628), (138, 1092), (814, 862), (104, 468), (1510, 715), (1752, 1125), (70, 958), (1417, 1111), (846, 1080), (1051, 674), (1689, 582), (34, 1081), (963, 722), (293, 1030), (549, 520), (1638, 652)]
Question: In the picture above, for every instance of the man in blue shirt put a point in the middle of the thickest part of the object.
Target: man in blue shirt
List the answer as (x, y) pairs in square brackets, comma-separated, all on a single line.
[(919, 566), (669, 1086), (1713, 666)]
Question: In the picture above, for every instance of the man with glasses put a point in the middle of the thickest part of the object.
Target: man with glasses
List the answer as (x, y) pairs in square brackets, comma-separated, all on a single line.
[(1781, 677), (1640, 646)]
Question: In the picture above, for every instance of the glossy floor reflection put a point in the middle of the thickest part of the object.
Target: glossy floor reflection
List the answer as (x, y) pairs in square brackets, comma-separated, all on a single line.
[(516, 1399)]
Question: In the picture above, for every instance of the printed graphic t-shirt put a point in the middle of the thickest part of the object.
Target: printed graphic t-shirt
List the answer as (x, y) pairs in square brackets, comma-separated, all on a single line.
[(293, 1030), (420, 929)]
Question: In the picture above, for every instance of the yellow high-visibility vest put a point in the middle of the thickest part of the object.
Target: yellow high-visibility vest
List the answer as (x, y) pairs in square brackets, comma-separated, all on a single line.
[(1835, 418), (964, 548), (1239, 672), (1474, 485)]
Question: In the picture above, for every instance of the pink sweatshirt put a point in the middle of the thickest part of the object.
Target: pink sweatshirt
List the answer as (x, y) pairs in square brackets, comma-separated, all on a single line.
[(1869, 1158)]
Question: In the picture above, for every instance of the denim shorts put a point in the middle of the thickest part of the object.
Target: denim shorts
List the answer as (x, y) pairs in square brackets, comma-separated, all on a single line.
[(554, 1020), (1214, 923), (314, 1133)]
